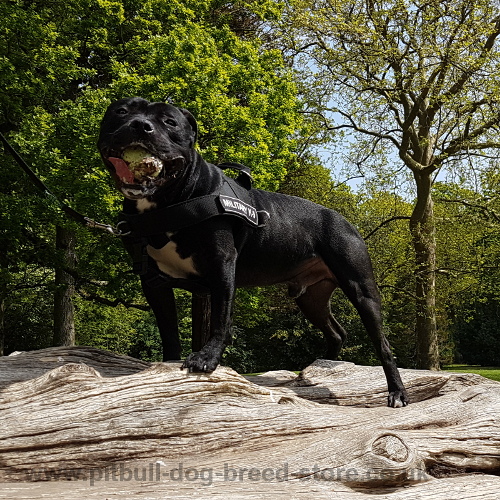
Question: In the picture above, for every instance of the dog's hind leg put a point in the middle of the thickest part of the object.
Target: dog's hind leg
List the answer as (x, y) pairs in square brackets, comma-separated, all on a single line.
[(365, 297), (351, 265), (315, 305)]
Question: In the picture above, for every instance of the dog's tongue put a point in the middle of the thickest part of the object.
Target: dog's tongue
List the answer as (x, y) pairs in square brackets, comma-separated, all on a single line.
[(122, 170)]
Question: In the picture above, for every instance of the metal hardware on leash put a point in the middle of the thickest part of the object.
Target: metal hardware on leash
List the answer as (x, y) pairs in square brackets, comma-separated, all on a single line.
[(115, 231), (119, 232)]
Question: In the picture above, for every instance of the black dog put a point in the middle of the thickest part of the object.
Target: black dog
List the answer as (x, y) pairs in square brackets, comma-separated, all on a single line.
[(229, 236)]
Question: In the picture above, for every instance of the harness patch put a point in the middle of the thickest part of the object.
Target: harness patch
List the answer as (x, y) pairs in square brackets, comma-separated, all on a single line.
[(236, 206)]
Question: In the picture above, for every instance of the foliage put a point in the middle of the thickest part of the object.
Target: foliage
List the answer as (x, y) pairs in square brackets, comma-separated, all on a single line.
[(416, 81), (470, 269), (388, 83), (420, 77), (62, 63), (103, 327)]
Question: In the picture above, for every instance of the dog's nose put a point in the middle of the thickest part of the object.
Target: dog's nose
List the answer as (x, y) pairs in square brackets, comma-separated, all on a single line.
[(142, 125)]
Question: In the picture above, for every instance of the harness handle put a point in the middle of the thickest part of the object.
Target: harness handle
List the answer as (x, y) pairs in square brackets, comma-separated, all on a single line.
[(244, 178)]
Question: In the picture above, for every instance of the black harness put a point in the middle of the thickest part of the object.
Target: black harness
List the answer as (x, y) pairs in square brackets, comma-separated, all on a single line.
[(151, 228)]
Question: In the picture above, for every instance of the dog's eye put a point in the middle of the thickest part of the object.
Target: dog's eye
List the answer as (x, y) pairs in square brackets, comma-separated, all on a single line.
[(169, 121), (121, 111)]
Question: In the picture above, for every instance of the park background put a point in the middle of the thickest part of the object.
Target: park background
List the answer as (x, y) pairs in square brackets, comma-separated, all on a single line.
[(386, 111)]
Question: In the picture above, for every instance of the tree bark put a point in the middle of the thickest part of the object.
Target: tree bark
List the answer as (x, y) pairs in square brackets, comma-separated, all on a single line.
[(423, 231), (64, 324), (2, 324), (122, 428)]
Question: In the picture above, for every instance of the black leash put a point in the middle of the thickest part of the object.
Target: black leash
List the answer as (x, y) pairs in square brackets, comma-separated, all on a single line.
[(78, 217)]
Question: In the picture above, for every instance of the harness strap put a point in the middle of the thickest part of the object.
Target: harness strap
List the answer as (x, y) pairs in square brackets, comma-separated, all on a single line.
[(151, 228), (187, 213), (244, 178), (170, 219)]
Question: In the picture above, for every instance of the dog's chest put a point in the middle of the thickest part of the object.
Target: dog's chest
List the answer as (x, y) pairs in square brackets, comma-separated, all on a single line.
[(170, 262), (167, 257)]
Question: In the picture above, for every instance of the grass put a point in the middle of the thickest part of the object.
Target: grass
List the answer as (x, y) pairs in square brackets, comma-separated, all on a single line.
[(491, 372)]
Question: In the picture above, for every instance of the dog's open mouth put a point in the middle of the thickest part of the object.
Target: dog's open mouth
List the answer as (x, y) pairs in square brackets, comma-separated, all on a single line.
[(136, 165)]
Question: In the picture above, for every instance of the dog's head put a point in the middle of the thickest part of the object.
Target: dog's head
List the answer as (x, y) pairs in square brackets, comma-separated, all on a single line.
[(146, 145)]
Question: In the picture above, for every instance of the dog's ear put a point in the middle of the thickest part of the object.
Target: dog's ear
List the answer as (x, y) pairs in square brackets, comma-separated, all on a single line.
[(192, 121)]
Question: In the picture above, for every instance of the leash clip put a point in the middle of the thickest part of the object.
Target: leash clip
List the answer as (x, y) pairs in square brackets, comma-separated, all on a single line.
[(119, 232), (115, 231)]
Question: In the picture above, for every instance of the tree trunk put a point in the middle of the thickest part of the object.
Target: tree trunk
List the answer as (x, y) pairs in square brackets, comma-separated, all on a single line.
[(64, 325), (123, 428), (2, 324), (423, 231)]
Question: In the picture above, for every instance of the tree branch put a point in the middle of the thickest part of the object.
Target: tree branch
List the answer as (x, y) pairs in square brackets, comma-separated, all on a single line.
[(354, 126), (468, 73), (112, 303), (384, 223), (488, 212)]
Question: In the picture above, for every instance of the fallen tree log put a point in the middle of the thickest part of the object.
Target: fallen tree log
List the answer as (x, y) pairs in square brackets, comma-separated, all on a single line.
[(459, 488), (117, 424), (346, 384)]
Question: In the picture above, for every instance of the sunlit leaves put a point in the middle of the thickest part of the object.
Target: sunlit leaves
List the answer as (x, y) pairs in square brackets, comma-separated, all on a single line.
[(61, 64), (422, 77)]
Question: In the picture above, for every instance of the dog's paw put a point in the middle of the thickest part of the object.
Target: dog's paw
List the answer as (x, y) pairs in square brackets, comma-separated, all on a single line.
[(200, 362), (397, 399)]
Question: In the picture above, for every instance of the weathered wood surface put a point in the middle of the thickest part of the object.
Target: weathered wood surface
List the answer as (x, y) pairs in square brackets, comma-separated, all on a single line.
[(346, 384), (459, 488), (141, 430)]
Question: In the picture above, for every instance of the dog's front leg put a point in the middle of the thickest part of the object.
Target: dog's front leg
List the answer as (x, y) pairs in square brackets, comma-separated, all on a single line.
[(162, 301), (221, 304)]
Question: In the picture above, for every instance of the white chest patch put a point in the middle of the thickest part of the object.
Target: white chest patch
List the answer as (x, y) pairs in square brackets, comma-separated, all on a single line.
[(170, 262), (143, 204)]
